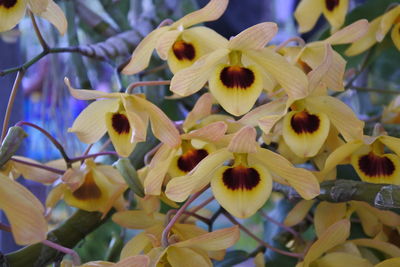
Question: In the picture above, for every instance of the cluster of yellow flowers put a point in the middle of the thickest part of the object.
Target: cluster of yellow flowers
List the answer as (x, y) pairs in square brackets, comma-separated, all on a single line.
[(224, 150)]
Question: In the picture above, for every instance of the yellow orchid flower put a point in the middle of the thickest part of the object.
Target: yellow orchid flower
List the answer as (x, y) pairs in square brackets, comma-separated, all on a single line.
[(368, 158), (124, 116), (24, 212), (308, 12), (195, 145), (238, 71), (132, 261), (180, 46), (378, 29), (91, 187), (243, 186), (12, 11)]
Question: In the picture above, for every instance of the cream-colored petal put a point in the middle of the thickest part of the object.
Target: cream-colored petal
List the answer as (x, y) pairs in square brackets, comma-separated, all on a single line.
[(162, 127), (134, 261), (158, 169), (386, 217), (365, 42), (136, 219), (369, 222), (209, 133), (183, 257), (388, 19), (395, 34), (340, 259), (327, 214), (244, 141), (135, 246), (298, 213), (201, 109), (24, 212), (33, 173), (350, 33), (190, 80), (240, 190), (141, 55), (255, 37), (85, 94), (213, 241), (165, 42), (120, 131), (292, 79), (316, 76), (335, 13), (212, 11), (9, 17), (137, 119), (307, 14), (179, 188), (333, 236), (340, 115), (385, 247), (90, 125), (54, 14), (38, 6), (303, 181)]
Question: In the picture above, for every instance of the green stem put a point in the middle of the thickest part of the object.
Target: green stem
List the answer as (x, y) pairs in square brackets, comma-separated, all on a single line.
[(375, 90)]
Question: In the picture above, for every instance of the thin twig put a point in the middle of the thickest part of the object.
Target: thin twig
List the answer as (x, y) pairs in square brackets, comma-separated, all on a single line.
[(154, 70), (40, 166), (376, 90), (75, 257), (297, 39), (192, 214), (165, 22), (10, 104), (287, 228), (39, 35), (149, 155), (262, 242), (199, 207), (167, 229), (104, 153), (5, 227), (214, 218), (145, 83)]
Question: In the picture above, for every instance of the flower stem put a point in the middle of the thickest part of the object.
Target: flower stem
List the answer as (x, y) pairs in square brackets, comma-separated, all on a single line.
[(297, 39), (105, 153), (262, 242), (39, 35), (10, 104), (75, 257), (199, 207), (145, 83), (287, 228), (40, 166), (165, 233)]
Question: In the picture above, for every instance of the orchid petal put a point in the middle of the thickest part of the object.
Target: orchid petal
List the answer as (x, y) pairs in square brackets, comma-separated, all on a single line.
[(339, 259), (85, 94), (367, 41), (298, 213), (9, 17), (54, 14), (335, 13), (350, 33), (255, 37), (209, 133), (385, 247), (388, 19), (244, 141), (182, 257), (307, 14), (326, 214), (201, 109)]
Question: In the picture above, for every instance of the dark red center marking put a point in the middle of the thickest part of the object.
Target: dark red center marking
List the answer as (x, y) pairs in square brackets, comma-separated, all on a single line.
[(8, 3), (88, 190), (304, 66), (237, 77), (183, 50), (331, 4), (191, 158), (374, 166), (241, 178), (120, 123), (304, 122)]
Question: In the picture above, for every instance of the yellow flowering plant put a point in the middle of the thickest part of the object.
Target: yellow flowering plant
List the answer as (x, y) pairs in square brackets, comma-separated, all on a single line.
[(246, 149)]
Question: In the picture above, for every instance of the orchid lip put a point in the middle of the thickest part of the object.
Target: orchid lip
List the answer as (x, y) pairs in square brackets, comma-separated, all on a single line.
[(373, 165), (120, 123), (241, 178), (304, 122), (237, 77), (8, 3), (183, 50), (88, 190), (191, 158), (331, 4)]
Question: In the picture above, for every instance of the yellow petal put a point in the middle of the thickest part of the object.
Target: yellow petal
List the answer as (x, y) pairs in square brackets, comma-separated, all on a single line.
[(317, 75), (395, 34), (24, 212), (135, 246), (165, 42), (369, 222), (327, 214), (134, 261), (340, 155), (190, 80), (136, 219), (85, 94), (350, 33), (388, 19), (236, 88), (339, 114), (55, 195), (391, 142), (374, 168), (191, 45), (213, 241), (212, 11), (386, 248), (333, 236), (162, 127), (242, 191), (182, 257), (365, 42), (292, 80), (255, 37), (201, 109), (138, 119), (386, 217), (209, 133), (90, 125), (335, 12), (244, 141), (307, 14), (393, 262), (33, 173), (37, 6), (11, 14), (305, 132), (158, 169), (120, 131), (55, 16), (179, 188), (303, 181), (141, 55), (339, 259), (298, 213)]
